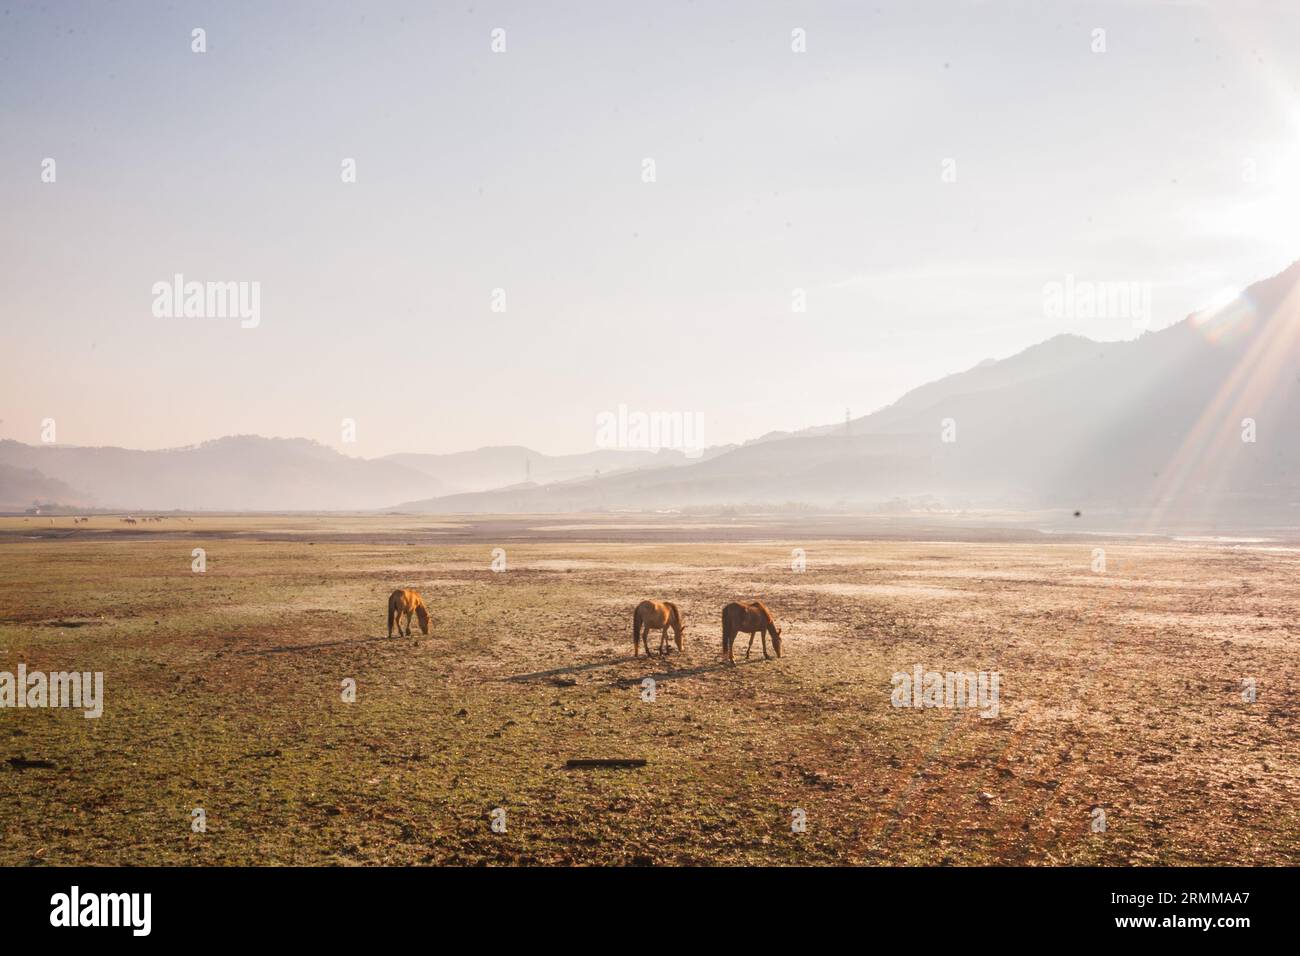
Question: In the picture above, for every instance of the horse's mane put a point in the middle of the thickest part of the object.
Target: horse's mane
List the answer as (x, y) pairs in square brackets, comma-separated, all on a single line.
[(677, 615)]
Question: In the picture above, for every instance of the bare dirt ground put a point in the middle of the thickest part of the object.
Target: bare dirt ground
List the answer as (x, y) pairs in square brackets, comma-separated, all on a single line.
[(1120, 691)]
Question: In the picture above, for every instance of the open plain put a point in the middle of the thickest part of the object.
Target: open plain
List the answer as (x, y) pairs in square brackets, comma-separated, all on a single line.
[(1126, 732)]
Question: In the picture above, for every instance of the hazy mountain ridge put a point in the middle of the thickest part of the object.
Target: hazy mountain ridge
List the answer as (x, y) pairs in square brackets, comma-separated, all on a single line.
[(20, 488), (236, 473), (1146, 426), (1149, 425), (252, 473), (508, 465), (1036, 361)]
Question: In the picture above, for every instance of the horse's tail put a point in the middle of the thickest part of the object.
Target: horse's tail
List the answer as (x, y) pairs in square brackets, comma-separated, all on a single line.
[(392, 613), (636, 626)]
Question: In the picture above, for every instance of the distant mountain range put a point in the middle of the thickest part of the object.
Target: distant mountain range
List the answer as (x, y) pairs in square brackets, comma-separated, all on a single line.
[(503, 466), (1194, 423), (22, 487), (250, 473)]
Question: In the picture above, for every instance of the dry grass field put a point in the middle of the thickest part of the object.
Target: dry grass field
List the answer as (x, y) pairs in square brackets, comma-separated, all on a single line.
[(223, 690)]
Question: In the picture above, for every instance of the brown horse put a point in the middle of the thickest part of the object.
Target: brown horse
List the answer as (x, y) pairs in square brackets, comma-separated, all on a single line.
[(748, 619), (406, 602), (656, 614)]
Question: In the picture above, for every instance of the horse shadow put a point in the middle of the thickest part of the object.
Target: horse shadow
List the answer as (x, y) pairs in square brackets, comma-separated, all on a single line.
[(687, 672), (628, 681), (560, 671)]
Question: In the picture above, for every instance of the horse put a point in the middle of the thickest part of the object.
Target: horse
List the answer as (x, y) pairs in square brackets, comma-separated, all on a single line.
[(749, 619), (656, 614), (406, 602)]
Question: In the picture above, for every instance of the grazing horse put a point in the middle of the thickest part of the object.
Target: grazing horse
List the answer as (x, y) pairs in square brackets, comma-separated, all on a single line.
[(406, 602), (656, 614), (748, 619)]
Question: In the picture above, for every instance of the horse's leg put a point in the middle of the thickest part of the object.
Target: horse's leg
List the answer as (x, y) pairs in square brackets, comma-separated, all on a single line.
[(751, 645), (408, 622), (663, 641)]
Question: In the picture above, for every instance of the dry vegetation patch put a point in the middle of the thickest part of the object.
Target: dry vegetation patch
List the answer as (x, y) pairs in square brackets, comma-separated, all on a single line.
[(1120, 691)]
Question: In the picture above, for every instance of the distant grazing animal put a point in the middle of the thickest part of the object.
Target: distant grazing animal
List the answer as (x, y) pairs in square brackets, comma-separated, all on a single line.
[(406, 602), (656, 614), (748, 619)]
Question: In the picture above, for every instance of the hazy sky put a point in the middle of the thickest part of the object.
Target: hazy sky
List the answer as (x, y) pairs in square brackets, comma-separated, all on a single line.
[(1171, 159)]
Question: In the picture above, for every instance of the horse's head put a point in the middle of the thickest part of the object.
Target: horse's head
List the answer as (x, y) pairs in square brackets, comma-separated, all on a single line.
[(423, 614), (678, 625), (776, 640)]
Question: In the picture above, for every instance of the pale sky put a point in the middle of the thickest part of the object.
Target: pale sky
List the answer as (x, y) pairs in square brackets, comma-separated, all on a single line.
[(1171, 159)]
